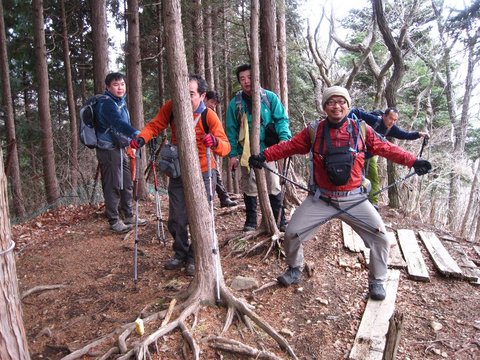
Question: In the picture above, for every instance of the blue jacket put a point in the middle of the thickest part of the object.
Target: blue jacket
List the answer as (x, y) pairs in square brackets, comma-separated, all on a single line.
[(377, 124), (275, 114), (112, 116)]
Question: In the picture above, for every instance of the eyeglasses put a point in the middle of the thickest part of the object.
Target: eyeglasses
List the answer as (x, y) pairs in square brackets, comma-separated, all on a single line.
[(335, 102)]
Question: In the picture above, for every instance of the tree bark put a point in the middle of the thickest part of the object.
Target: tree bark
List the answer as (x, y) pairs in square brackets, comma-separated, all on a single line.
[(49, 170), (100, 43), (282, 54), (267, 215), (471, 200), (160, 62), (200, 224), (72, 113), (13, 339), (198, 45), (268, 42), (209, 48), (13, 166)]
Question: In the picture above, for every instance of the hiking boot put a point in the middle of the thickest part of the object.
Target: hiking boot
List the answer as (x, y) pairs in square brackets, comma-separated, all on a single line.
[(291, 276), (119, 227), (190, 269), (228, 203), (174, 264), (377, 291), (131, 221), (251, 211)]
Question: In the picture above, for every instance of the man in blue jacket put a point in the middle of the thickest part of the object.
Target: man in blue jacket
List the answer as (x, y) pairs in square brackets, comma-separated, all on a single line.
[(238, 125), (383, 124), (114, 133)]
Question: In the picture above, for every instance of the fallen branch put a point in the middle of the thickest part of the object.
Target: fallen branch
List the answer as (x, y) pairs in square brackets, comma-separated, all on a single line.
[(41, 288)]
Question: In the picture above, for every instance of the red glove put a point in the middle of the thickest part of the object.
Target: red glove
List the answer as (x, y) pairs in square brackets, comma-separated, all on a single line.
[(137, 143), (210, 141)]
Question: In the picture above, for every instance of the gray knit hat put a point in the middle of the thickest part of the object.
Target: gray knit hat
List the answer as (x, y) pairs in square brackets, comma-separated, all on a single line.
[(335, 91)]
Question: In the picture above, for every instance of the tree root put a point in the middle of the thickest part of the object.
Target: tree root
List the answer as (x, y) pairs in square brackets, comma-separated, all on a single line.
[(237, 347), (140, 348), (41, 288)]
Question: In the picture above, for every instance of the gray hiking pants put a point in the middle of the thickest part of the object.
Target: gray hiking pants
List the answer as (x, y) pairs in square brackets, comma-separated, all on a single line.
[(313, 211), (116, 198), (177, 216)]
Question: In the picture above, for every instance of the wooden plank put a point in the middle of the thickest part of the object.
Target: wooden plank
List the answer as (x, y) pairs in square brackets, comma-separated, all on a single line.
[(351, 240), (395, 258), (413, 256), (470, 271), (370, 340), (440, 256)]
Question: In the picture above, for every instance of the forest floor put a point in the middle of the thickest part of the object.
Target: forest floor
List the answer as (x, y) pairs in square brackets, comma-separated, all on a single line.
[(74, 247)]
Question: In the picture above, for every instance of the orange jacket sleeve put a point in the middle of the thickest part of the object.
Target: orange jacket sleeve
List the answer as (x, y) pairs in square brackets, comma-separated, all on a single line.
[(159, 123)]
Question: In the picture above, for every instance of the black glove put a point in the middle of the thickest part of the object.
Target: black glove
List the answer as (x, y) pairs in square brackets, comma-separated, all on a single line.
[(422, 166), (137, 143), (257, 161)]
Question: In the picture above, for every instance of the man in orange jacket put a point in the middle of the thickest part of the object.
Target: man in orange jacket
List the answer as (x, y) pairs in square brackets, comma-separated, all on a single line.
[(214, 138)]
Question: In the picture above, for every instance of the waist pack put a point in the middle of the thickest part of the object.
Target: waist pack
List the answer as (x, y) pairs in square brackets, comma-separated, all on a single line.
[(169, 163), (338, 164)]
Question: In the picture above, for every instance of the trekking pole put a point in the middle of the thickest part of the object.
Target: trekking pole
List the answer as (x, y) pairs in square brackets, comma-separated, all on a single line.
[(135, 194), (215, 252), (158, 208)]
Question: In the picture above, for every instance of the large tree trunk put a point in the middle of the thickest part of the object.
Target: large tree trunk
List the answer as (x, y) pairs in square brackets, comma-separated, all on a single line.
[(134, 83), (49, 171), (100, 43), (13, 340), (200, 223), (160, 62), (13, 166), (71, 102), (268, 38), (267, 214)]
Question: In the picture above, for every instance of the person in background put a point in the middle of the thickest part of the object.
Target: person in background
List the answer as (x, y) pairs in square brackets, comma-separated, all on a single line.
[(211, 101), (215, 139), (112, 123), (334, 186), (384, 124), (274, 120)]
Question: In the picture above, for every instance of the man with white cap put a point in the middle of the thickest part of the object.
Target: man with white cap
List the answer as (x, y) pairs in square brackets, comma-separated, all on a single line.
[(337, 147)]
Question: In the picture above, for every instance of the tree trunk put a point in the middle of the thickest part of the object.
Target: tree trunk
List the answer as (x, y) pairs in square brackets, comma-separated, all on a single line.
[(268, 38), (200, 224), (282, 54), (209, 48), (160, 62), (49, 171), (267, 215), (134, 83), (13, 166), (471, 199), (100, 43), (198, 45), (71, 102), (13, 340)]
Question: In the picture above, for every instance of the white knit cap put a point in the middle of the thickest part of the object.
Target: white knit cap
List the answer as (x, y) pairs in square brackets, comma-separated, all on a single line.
[(335, 91)]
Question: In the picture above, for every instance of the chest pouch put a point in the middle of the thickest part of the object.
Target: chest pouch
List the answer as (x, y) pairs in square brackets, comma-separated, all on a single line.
[(169, 163), (338, 161)]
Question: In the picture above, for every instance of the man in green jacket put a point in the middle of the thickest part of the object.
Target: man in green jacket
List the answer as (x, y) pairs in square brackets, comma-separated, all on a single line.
[(274, 128)]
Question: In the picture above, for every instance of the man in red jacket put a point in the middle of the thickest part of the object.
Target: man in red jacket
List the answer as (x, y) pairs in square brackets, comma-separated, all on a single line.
[(338, 151)]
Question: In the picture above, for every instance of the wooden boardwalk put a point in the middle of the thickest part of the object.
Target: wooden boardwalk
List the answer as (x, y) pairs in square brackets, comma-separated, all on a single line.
[(406, 254)]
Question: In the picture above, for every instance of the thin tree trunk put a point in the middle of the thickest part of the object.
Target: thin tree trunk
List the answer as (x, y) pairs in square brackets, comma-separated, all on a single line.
[(134, 83), (71, 102), (13, 339), (161, 84), (209, 48), (282, 54), (13, 166), (267, 214), (198, 45), (100, 43), (268, 38), (471, 197), (49, 171)]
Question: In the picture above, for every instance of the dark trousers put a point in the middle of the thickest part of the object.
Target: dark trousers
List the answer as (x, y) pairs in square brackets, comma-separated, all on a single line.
[(177, 217), (116, 195), (219, 188)]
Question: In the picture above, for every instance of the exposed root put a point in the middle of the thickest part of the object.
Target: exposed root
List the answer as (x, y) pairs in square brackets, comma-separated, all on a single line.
[(114, 350), (190, 340), (41, 288), (228, 320), (265, 286), (244, 237), (237, 347)]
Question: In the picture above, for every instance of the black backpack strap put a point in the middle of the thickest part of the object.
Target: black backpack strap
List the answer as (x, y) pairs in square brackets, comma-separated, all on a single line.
[(204, 121)]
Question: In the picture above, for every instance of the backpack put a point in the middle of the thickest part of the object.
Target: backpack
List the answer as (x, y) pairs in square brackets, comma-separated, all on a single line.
[(271, 136), (87, 129)]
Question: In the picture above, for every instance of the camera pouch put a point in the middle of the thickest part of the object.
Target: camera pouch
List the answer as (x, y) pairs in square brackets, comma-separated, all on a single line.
[(169, 163), (338, 164)]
